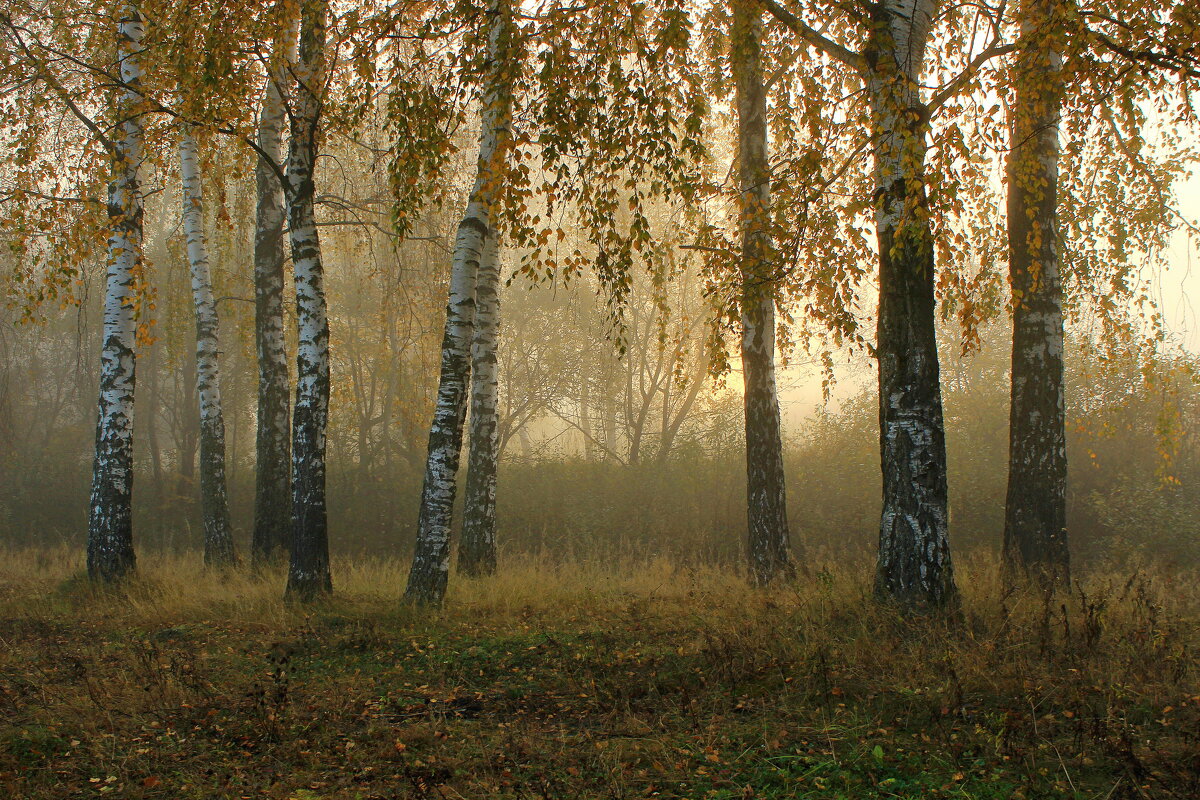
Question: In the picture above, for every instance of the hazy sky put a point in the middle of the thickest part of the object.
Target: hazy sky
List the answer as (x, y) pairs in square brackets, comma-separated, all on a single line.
[(1177, 290), (1179, 286)]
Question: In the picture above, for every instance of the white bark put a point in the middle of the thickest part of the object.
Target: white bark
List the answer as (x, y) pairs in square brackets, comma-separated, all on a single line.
[(766, 503), (308, 574), (214, 502), (895, 96), (914, 564), (477, 547), (431, 558), (110, 523), (1035, 525)]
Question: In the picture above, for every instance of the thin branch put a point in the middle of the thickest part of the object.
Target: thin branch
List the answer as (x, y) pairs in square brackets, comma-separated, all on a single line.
[(49, 78), (51, 197), (1179, 63), (955, 84)]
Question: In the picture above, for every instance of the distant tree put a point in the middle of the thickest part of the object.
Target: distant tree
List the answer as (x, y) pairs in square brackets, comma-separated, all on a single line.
[(214, 499)]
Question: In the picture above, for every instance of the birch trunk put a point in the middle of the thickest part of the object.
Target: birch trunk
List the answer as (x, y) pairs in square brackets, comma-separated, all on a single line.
[(272, 486), (110, 517), (431, 558), (914, 566), (766, 502), (214, 501), (585, 420), (308, 575), (1035, 522), (477, 547)]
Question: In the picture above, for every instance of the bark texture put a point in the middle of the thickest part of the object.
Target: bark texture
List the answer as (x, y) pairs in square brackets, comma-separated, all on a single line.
[(214, 501), (477, 547), (110, 520), (914, 566), (431, 557), (1035, 520), (766, 500), (272, 486), (308, 575)]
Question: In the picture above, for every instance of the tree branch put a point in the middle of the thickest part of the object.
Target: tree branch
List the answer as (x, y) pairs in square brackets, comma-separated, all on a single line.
[(813, 37), (1179, 63), (957, 82), (47, 76)]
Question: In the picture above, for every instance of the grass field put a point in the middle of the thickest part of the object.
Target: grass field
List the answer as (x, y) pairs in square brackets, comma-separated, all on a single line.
[(591, 681)]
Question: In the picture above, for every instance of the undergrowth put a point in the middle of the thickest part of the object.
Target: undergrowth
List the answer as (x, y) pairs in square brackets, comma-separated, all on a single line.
[(614, 680)]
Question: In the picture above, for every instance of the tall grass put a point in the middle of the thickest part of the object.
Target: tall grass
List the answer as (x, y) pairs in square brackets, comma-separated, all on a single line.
[(177, 586), (592, 678)]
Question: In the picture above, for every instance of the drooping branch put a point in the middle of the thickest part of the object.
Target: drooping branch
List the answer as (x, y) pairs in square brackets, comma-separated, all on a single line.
[(1182, 64), (47, 76), (955, 84)]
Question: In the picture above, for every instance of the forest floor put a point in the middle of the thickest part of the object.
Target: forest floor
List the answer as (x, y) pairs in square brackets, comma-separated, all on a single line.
[(626, 681)]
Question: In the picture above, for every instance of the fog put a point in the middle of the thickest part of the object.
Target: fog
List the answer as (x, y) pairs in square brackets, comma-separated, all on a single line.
[(590, 481)]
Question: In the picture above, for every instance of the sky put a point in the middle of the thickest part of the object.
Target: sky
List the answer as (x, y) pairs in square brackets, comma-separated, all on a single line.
[(1179, 286), (1176, 288)]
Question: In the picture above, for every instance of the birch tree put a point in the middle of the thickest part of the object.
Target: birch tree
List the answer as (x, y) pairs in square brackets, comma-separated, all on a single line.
[(308, 575), (431, 559), (914, 547), (477, 545), (1074, 241), (1035, 520), (766, 501), (214, 501), (272, 500), (110, 514), (914, 566)]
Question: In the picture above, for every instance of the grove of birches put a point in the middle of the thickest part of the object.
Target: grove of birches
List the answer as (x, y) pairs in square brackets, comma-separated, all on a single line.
[(599, 399), (465, 281), (453, 281)]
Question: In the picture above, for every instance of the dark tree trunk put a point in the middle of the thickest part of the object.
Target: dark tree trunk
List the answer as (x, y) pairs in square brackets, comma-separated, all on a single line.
[(1035, 519), (766, 498), (914, 566), (272, 485), (308, 576)]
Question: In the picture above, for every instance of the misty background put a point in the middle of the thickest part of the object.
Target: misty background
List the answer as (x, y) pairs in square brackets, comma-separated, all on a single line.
[(602, 453)]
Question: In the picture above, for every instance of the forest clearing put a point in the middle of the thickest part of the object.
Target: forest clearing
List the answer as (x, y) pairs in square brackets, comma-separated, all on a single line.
[(581, 681)]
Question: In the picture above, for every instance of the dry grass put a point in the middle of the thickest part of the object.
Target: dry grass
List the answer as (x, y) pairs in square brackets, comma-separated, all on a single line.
[(613, 680)]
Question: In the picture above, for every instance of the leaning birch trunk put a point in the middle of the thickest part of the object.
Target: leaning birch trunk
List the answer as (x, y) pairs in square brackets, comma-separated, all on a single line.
[(308, 575), (214, 502), (1035, 520), (110, 519), (431, 558), (477, 547), (766, 507), (914, 565), (272, 485)]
